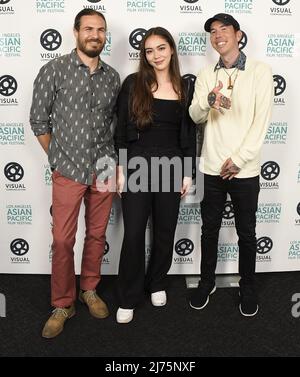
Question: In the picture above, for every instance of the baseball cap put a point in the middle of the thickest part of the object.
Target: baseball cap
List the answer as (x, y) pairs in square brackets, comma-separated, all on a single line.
[(225, 18)]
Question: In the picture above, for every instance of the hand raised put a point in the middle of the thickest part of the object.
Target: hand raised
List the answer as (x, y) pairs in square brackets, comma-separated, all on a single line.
[(217, 100)]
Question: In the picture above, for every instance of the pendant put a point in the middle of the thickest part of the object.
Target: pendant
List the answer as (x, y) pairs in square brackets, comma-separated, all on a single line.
[(230, 86)]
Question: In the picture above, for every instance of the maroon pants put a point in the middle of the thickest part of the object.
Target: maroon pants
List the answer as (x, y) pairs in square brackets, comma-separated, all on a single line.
[(67, 196)]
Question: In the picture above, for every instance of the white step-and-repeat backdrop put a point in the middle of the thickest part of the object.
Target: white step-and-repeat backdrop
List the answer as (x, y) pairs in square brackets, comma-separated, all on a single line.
[(32, 32)]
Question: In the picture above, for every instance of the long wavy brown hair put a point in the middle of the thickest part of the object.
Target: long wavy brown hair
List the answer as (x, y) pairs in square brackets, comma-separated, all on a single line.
[(145, 81)]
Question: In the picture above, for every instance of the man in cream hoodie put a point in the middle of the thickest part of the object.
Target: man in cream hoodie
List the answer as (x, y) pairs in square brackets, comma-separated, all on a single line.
[(233, 101)]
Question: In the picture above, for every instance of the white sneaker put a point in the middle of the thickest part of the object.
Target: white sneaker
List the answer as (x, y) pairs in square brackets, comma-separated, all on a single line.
[(159, 298), (124, 315)]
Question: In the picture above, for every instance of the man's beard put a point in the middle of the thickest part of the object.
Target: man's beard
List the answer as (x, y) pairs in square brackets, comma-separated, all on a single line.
[(92, 52)]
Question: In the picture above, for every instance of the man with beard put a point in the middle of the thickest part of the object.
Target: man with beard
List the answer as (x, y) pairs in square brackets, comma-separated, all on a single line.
[(72, 112)]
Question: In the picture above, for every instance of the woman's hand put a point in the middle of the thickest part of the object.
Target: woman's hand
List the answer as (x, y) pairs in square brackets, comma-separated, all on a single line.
[(120, 180), (186, 185)]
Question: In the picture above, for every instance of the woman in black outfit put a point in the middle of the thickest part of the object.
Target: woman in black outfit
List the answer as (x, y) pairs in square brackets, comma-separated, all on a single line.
[(153, 121)]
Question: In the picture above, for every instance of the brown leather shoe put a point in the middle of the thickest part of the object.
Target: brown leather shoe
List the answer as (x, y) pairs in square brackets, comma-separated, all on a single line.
[(97, 307), (55, 323)]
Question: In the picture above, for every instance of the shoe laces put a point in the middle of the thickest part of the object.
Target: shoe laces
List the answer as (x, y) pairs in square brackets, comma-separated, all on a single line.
[(90, 296), (58, 312)]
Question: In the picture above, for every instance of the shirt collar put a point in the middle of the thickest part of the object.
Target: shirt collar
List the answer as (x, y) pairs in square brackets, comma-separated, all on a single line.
[(240, 63), (75, 59)]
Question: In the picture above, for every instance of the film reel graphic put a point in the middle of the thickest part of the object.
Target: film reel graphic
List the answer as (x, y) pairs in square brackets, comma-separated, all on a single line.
[(136, 37), (19, 247), (281, 2), (243, 41), (228, 212), (264, 245), (298, 209), (8, 85), (270, 170), (184, 247), (13, 171), (279, 85), (50, 39), (106, 248)]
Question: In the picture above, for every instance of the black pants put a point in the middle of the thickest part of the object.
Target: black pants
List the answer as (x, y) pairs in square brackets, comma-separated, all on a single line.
[(244, 195), (136, 209)]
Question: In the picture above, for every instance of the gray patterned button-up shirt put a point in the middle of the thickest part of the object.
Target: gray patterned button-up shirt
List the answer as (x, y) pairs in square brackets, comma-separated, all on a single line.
[(78, 109)]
